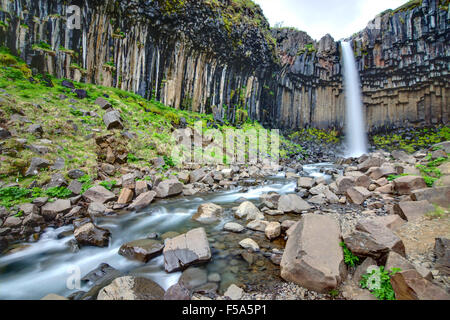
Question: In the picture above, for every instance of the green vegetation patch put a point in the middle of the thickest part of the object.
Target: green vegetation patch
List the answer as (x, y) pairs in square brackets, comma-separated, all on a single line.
[(378, 282)]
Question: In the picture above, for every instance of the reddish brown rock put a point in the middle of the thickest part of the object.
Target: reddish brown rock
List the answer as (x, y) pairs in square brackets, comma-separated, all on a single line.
[(358, 195), (413, 210), (407, 184), (125, 197), (313, 257), (410, 285)]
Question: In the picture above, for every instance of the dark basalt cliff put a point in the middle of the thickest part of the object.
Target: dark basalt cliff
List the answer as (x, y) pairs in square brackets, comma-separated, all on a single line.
[(220, 56)]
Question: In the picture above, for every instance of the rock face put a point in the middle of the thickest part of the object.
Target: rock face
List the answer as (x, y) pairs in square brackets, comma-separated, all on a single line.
[(186, 249), (291, 80), (131, 288), (142, 250), (313, 257), (208, 213)]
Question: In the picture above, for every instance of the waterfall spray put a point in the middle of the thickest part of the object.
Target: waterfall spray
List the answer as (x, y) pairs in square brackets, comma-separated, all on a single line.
[(356, 136)]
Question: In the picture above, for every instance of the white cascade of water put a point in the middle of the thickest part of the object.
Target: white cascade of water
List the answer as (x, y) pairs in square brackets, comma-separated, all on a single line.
[(356, 136)]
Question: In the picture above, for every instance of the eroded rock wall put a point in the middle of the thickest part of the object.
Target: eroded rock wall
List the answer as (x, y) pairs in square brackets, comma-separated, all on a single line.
[(187, 55)]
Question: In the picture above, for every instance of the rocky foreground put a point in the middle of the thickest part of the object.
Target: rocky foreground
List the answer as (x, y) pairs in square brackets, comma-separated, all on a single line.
[(378, 207)]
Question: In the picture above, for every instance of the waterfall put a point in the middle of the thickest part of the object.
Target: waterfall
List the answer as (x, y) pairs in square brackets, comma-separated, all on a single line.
[(356, 136)]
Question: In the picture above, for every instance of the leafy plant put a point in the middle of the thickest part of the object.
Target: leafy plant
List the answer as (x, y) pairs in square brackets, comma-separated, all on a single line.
[(86, 180), (108, 184), (132, 158), (349, 258), (378, 282), (58, 192), (13, 195)]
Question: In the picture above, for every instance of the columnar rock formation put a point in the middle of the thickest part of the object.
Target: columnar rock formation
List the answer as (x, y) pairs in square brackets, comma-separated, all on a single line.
[(217, 57)]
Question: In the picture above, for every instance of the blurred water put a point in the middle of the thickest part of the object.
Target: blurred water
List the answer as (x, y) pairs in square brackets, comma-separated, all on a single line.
[(43, 267)]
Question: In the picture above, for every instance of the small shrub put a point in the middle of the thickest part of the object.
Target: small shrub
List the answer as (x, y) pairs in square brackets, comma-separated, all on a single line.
[(349, 258), (378, 282), (108, 184), (58, 192)]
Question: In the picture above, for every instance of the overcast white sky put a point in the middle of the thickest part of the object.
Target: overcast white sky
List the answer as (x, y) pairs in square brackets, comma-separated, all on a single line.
[(340, 18)]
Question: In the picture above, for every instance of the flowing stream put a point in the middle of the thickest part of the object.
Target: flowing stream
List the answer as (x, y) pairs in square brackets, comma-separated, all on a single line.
[(44, 266), (356, 136)]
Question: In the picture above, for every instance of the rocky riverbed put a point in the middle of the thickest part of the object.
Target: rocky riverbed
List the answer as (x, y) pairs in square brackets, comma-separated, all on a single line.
[(241, 232)]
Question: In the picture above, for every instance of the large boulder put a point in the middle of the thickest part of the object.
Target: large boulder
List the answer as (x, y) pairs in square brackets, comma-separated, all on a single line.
[(395, 260), (344, 183), (168, 188), (374, 240), (410, 285), (437, 195), (358, 195), (248, 211), (407, 184), (112, 120), (382, 172), (99, 194), (184, 250), (442, 252), (141, 250), (305, 182), (413, 210), (131, 288), (270, 200), (233, 227), (90, 235), (36, 165), (125, 197), (313, 257), (273, 230), (403, 156), (197, 175), (51, 209), (208, 213), (371, 162), (292, 203), (142, 201)]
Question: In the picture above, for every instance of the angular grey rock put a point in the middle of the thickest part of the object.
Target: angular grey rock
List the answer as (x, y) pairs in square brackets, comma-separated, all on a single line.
[(168, 188), (102, 103), (132, 288), (292, 203), (112, 120), (96, 209), (313, 257), (142, 201), (99, 194), (208, 213), (76, 174), (50, 210), (248, 211), (184, 250), (75, 186), (36, 165), (142, 250), (90, 235)]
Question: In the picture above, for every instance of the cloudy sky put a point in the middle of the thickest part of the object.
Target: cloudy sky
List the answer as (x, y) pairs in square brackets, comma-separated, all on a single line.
[(340, 18)]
